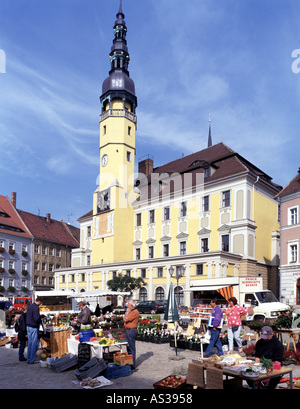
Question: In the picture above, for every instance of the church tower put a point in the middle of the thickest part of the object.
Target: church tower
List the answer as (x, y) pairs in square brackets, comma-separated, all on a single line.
[(112, 214)]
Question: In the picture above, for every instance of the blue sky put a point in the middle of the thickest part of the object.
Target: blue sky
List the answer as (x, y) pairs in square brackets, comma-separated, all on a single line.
[(228, 58)]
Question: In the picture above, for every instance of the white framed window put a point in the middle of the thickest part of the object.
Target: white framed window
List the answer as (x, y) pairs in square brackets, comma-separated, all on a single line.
[(36, 249), (293, 252), (165, 250), (151, 251), (293, 215), (167, 213), (11, 245), (225, 242), (138, 254), (182, 246), (205, 203), (152, 216), (226, 198), (183, 209), (204, 245), (138, 219)]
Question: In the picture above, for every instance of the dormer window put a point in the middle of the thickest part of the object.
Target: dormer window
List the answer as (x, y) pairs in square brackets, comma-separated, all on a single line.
[(206, 172)]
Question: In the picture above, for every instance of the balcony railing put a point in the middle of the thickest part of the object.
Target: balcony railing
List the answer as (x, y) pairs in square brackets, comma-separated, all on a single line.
[(118, 112)]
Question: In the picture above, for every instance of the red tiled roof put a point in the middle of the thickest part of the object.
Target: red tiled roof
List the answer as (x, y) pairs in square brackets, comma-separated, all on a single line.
[(55, 231), (220, 157), (292, 187), (10, 221)]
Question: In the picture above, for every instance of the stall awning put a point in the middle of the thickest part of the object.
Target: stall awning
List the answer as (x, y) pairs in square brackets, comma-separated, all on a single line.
[(97, 293), (225, 290)]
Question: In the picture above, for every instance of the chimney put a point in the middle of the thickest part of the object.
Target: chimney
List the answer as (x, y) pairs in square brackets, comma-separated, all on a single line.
[(48, 217), (14, 199), (146, 166)]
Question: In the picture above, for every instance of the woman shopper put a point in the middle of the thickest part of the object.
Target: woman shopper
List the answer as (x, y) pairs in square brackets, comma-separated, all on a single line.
[(234, 323), (22, 333)]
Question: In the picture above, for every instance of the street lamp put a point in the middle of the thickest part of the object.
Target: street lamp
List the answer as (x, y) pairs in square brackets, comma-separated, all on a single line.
[(179, 273)]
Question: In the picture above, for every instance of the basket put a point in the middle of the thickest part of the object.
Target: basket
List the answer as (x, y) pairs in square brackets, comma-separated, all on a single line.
[(66, 362), (91, 369), (166, 383), (115, 371)]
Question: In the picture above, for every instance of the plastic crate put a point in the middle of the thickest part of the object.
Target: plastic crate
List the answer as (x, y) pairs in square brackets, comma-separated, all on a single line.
[(66, 362), (115, 371), (91, 369)]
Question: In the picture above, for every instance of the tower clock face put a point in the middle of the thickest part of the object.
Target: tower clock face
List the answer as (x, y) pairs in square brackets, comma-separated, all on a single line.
[(104, 160), (103, 201)]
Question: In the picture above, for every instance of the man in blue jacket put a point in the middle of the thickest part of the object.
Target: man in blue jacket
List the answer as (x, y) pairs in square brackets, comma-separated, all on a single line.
[(33, 321), (214, 325)]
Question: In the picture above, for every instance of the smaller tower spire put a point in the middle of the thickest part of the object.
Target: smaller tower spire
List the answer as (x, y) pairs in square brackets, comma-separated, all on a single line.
[(209, 134)]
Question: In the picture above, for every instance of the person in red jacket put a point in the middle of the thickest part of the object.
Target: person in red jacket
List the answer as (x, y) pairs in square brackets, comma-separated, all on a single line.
[(131, 321)]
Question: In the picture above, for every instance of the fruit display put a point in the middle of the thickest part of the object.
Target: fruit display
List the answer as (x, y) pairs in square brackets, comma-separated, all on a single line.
[(107, 341), (170, 382)]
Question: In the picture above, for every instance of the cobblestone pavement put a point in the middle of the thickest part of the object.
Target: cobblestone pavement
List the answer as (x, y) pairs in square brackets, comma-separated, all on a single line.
[(154, 362)]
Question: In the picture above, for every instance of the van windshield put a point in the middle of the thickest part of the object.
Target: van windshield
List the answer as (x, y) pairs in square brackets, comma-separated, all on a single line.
[(266, 296)]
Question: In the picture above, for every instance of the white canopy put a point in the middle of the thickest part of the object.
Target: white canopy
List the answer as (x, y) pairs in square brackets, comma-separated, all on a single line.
[(52, 293), (207, 287), (97, 293)]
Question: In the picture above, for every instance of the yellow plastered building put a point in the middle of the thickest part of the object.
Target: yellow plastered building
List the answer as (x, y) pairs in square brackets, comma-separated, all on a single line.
[(211, 214)]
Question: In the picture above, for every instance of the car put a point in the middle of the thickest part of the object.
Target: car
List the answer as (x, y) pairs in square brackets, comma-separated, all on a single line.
[(21, 301), (152, 307)]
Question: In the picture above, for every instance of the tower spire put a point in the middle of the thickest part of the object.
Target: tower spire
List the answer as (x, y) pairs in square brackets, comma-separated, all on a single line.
[(209, 134), (119, 84)]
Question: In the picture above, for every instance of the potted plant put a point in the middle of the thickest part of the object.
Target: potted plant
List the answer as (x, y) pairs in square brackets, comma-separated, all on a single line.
[(2, 288), (2, 270), (2, 249), (11, 289), (11, 270), (24, 272), (24, 253), (266, 364), (11, 251)]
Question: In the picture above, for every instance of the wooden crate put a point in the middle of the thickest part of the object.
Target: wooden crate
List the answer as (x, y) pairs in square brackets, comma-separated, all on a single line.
[(122, 359)]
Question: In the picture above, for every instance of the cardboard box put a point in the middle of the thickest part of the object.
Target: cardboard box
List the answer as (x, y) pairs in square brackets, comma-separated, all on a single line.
[(4, 341), (122, 359)]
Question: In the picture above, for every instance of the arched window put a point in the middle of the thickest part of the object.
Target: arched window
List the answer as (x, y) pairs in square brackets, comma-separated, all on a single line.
[(143, 294), (159, 294)]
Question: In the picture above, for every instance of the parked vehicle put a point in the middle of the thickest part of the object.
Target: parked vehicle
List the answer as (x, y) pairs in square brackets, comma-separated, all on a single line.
[(4, 305), (152, 307), (21, 301), (262, 304)]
